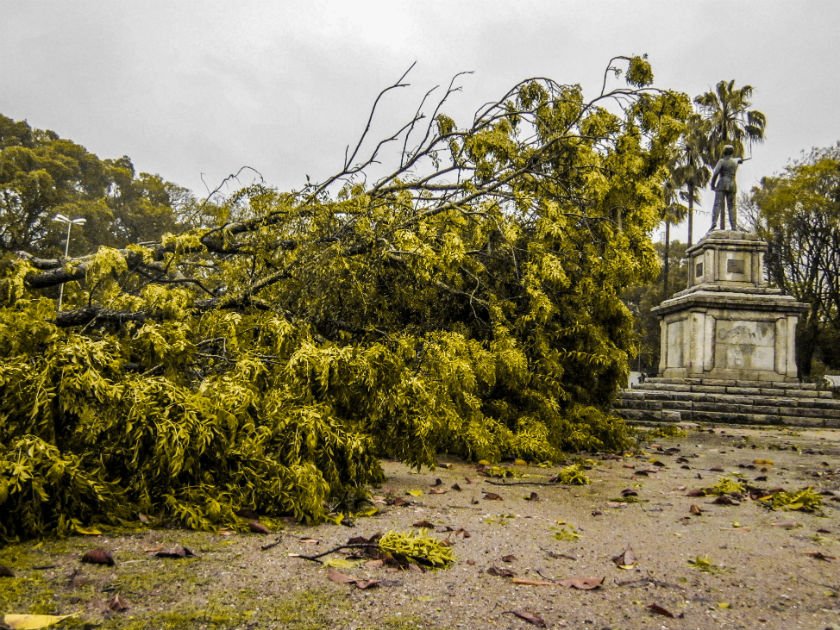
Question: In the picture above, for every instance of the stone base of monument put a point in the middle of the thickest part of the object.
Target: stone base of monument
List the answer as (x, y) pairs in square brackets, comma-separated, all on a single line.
[(728, 349), (729, 323)]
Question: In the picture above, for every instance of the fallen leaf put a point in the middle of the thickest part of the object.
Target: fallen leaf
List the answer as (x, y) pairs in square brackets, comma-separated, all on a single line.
[(415, 493), (33, 622), (695, 509), (117, 603), (501, 572), (456, 487), (339, 578), (86, 531), (704, 563), (533, 497), (725, 499), (819, 555), (583, 584), (175, 552), (437, 491), (310, 541), (258, 528), (6, 571), (565, 556), (661, 610), (424, 525), (629, 492), (509, 558), (340, 563), (531, 618), (626, 559), (342, 578), (491, 496), (98, 556), (531, 582)]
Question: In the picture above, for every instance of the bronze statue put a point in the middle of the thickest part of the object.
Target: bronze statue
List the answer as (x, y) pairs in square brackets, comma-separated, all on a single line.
[(723, 183)]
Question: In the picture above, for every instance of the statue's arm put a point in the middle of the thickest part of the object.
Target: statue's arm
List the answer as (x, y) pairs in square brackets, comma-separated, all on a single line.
[(715, 175)]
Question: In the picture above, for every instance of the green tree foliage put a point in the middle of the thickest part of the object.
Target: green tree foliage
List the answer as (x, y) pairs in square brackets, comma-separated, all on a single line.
[(799, 215), (467, 302), (42, 174)]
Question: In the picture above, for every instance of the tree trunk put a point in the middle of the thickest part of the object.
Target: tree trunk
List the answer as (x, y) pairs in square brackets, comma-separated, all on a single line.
[(667, 260), (690, 212)]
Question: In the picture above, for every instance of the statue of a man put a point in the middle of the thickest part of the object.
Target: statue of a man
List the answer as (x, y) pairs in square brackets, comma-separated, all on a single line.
[(723, 183)]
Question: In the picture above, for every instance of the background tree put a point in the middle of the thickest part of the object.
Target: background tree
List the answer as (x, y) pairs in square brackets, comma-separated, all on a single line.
[(642, 298), (689, 170), (673, 213), (729, 120), (467, 301), (42, 174), (799, 215)]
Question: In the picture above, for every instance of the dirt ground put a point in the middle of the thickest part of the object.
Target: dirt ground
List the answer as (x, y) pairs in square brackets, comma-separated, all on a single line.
[(522, 544)]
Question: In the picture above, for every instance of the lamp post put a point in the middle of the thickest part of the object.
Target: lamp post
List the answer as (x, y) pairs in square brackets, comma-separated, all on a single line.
[(70, 223)]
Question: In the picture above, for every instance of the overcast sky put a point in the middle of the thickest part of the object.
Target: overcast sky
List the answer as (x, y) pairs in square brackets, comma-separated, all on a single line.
[(193, 90)]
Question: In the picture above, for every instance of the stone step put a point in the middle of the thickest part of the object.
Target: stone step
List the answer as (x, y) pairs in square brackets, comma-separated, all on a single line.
[(718, 417), (831, 416), (729, 382), (630, 395), (768, 389)]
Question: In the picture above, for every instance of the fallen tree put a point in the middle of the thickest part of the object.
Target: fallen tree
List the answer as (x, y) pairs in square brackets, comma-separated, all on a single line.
[(465, 302)]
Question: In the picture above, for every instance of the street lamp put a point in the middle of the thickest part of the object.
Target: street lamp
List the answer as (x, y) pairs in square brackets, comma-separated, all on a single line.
[(70, 223)]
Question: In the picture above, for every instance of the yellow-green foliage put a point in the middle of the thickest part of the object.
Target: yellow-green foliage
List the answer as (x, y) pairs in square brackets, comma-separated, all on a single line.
[(804, 500), (265, 364), (573, 475), (417, 547), (726, 485)]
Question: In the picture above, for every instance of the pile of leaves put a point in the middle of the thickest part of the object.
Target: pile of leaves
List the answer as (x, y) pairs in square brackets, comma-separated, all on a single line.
[(467, 302)]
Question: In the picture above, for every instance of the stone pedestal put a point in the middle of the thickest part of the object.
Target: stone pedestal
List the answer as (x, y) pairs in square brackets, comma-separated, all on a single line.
[(729, 323)]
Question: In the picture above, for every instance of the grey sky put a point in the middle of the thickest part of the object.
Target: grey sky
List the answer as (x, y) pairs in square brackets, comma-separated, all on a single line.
[(203, 87)]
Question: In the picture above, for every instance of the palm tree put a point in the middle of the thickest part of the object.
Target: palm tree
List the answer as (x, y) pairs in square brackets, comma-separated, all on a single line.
[(689, 170), (672, 212), (731, 121)]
